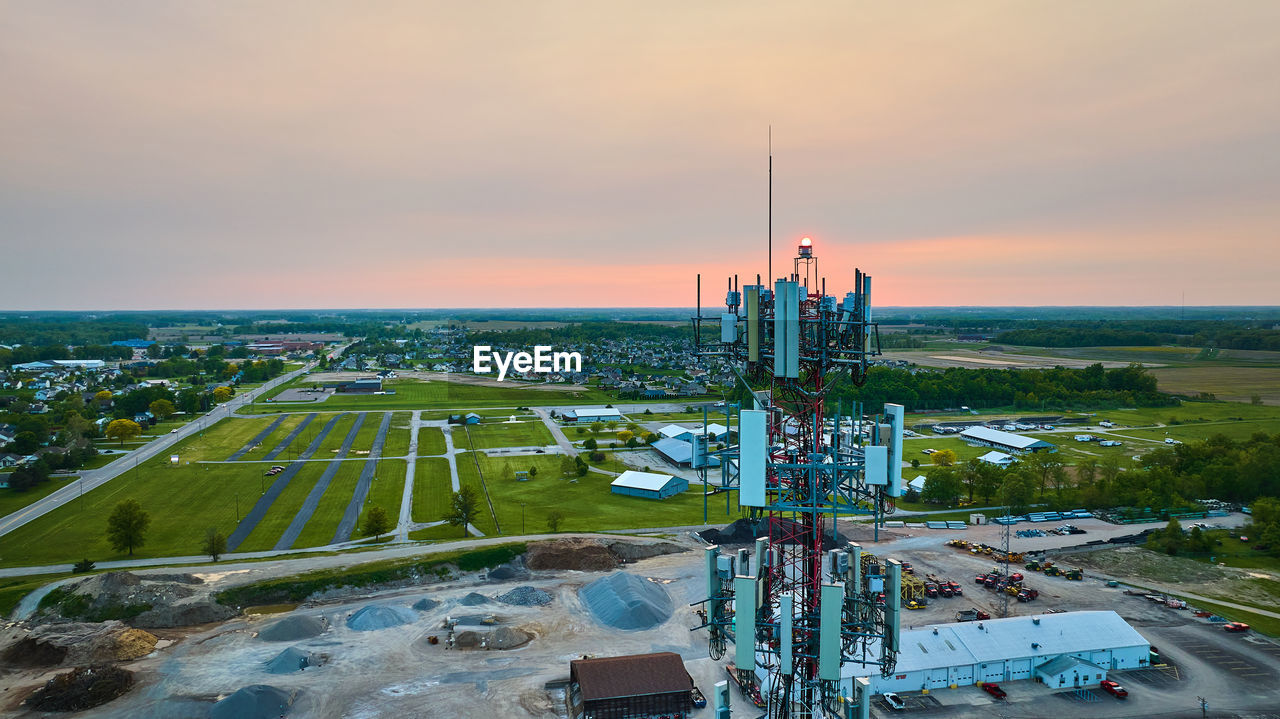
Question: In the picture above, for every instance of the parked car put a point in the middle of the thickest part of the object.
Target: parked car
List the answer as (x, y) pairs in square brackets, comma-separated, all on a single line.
[(894, 701), (1236, 627), (994, 690), (1114, 689)]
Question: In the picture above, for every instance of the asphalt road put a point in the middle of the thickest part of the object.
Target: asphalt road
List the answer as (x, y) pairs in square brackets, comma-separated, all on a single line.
[(95, 478)]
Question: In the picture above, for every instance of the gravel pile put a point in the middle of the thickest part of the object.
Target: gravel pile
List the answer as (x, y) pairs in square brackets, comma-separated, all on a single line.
[(624, 601), (526, 597), (81, 689), (425, 604), (291, 629), (260, 701), (291, 660), (473, 599), (380, 616)]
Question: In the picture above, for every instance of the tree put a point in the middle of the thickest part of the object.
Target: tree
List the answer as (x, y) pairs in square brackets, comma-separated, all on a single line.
[(463, 508), (215, 543), (591, 443), (1017, 490), (1168, 540), (554, 518), (941, 485), (376, 523), (76, 426), (82, 566), (612, 424), (162, 409), (101, 398), (944, 457), (625, 435), (580, 466), (122, 429), (596, 427), (24, 443), (632, 442), (533, 471), (651, 437), (127, 526), (221, 394)]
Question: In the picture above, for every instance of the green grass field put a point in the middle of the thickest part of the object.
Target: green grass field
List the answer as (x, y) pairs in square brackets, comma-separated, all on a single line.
[(505, 434), (328, 448), (387, 490), (12, 500), (911, 449), (430, 441), (418, 394), (397, 444), (1199, 431), (586, 503), (13, 589), (282, 511), (277, 436), (431, 489), (439, 533)]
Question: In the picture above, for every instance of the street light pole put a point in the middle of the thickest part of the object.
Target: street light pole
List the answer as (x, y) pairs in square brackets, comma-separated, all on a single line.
[(522, 518)]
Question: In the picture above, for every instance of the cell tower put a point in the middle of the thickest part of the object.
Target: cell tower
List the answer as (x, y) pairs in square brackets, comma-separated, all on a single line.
[(805, 612)]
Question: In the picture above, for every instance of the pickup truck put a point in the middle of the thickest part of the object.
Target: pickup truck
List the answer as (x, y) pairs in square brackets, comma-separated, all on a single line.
[(970, 615)]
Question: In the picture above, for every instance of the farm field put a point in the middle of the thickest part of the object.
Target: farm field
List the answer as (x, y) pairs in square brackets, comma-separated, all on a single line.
[(426, 394), (1238, 384), (505, 434), (431, 489), (586, 503), (1204, 430)]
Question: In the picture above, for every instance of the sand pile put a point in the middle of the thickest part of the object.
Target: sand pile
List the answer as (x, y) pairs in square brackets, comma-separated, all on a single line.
[(473, 599), (260, 701), (526, 597), (292, 660), (81, 689), (624, 601), (571, 553), (380, 616), (125, 645), (425, 604), (291, 629)]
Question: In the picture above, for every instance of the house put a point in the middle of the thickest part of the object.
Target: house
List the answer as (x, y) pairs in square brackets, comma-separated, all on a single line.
[(999, 459), (649, 485), (638, 685), (9, 459), (917, 484)]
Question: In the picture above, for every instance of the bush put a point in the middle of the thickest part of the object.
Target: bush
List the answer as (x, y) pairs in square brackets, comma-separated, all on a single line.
[(82, 566)]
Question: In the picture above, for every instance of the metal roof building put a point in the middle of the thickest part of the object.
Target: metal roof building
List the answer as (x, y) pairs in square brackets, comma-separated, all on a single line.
[(1006, 441), (1000, 459), (650, 485), (630, 687), (591, 414), (1044, 647)]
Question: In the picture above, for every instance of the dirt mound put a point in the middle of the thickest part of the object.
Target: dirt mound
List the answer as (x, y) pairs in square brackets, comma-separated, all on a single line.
[(260, 701), (380, 616), (200, 610), (291, 629), (80, 689), (31, 652), (473, 599), (80, 643), (625, 601), (292, 660), (571, 553), (634, 551), (526, 597)]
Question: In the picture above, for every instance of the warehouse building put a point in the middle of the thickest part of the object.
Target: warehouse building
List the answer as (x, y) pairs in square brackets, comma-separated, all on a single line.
[(1006, 441), (1071, 649), (649, 485), (638, 686), (590, 414)]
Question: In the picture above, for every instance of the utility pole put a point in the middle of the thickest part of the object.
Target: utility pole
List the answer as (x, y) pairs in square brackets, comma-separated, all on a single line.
[(1204, 706), (522, 518)]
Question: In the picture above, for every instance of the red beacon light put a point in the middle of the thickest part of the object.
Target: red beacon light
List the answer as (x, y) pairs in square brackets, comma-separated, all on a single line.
[(806, 247)]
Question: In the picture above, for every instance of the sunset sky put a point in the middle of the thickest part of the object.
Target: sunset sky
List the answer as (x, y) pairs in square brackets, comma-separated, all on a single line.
[(527, 153)]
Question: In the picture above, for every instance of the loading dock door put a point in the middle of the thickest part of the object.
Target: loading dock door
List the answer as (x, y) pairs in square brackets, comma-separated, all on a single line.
[(992, 672), (1019, 669), (938, 678), (962, 676)]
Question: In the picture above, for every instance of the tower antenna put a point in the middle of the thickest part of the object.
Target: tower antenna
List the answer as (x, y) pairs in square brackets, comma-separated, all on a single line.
[(770, 275)]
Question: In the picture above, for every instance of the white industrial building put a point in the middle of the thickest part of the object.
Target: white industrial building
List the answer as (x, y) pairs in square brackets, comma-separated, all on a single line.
[(1071, 649), (1005, 441), (999, 459), (591, 414)]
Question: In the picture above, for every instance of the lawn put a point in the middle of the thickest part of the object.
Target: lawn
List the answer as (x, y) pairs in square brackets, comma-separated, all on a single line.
[(430, 441), (1199, 431), (397, 444), (278, 435), (13, 589), (182, 501), (506, 434), (1190, 412), (319, 530), (368, 432), (585, 502), (420, 394), (12, 500), (387, 490), (438, 533), (333, 441), (911, 449), (431, 489), (267, 533)]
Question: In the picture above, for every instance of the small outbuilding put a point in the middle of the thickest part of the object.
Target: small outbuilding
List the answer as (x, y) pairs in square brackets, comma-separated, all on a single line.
[(999, 459), (637, 686), (649, 485)]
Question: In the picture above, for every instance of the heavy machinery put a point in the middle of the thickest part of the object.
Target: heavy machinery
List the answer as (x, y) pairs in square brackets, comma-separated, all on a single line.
[(1075, 575)]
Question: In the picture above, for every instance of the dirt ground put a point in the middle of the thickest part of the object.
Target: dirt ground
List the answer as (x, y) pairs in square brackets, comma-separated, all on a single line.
[(980, 359)]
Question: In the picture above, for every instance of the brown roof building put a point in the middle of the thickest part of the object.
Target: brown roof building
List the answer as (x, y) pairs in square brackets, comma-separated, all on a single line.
[(638, 686)]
